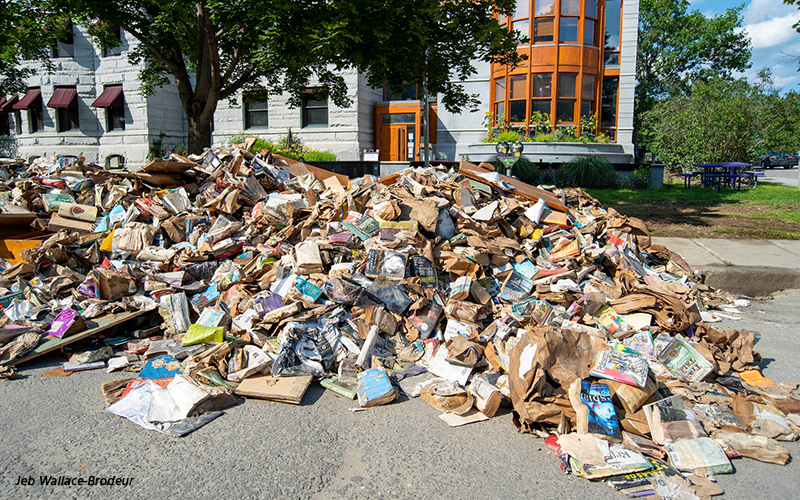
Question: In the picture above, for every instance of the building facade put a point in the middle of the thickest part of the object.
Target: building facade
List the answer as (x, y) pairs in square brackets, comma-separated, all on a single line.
[(580, 62)]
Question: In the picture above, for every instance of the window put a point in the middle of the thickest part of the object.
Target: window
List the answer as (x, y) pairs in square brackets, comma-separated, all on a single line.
[(116, 50), (589, 32), (587, 95), (64, 47), (256, 112), (545, 7), (543, 30), (544, 27), (568, 32), (541, 93), (587, 87), (5, 124), (35, 120), (591, 9), (113, 101), (115, 118), (409, 93), (32, 103), (521, 24), (18, 122), (65, 101), (499, 97), (613, 13), (608, 116), (565, 105), (517, 105), (315, 109), (570, 7), (67, 119)]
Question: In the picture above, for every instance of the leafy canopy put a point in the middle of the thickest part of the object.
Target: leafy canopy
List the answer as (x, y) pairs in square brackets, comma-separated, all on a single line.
[(678, 47)]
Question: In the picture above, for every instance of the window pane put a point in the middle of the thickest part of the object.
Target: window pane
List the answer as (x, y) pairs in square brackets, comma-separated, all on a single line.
[(390, 118), (256, 106), (566, 85), (541, 85), (611, 59), (516, 111), (545, 7), (613, 10), (317, 116), (523, 28), (587, 86), (499, 112), (522, 9), (570, 7), (608, 116), (569, 29), (316, 104), (500, 89), (517, 84), (257, 119), (543, 30), (591, 8), (541, 105), (586, 108), (565, 110), (588, 32), (501, 18)]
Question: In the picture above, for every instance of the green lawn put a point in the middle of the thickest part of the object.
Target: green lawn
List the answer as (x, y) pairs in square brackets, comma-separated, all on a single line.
[(766, 193), (769, 211)]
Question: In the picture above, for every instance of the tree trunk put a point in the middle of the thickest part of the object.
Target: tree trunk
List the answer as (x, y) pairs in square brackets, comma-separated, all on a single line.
[(199, 134)]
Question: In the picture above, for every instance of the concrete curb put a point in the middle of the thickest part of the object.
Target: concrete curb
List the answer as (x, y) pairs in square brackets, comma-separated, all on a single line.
[(751, 281)]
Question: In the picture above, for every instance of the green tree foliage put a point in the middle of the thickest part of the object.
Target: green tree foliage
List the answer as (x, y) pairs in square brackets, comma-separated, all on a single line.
[(723, 120), (24, 35), (797, 24), (212, 49), (678, 47)]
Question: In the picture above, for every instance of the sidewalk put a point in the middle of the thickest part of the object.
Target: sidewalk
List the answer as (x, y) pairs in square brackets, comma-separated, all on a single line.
[(748, 267)]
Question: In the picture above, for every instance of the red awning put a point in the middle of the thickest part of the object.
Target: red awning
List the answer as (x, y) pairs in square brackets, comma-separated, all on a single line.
[(33, 99), (7, 104), (64, 98), (110, 98)]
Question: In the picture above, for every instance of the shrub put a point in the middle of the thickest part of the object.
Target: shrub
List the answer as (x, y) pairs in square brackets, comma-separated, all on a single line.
[(508, 136), (588, 172), (526, 171), (640, 179), (498, 165), (295, 152)]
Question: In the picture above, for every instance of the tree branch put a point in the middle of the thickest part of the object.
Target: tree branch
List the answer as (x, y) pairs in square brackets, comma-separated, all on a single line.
[(232, 65)]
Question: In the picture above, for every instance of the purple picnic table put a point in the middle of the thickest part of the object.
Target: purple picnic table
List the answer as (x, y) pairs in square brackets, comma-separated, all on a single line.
[(728, 168)]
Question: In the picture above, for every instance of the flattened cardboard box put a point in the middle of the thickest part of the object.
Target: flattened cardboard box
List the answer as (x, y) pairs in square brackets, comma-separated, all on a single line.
[(282, 389)]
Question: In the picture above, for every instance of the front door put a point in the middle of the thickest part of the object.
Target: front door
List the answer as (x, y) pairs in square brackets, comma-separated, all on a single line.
[(398, 142)]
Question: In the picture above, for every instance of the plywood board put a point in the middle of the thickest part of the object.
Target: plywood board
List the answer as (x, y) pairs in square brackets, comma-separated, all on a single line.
[(93, 326)]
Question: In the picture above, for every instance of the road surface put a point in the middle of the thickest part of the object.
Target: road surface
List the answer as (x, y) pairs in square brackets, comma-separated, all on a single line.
[(780, 175), (321, 450)]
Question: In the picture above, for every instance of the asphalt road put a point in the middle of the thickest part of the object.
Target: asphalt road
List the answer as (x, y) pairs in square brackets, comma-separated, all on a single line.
[(780, 175), (320, 449)]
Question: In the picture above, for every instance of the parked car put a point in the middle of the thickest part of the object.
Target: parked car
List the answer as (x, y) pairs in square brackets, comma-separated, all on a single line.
[(776, 159)]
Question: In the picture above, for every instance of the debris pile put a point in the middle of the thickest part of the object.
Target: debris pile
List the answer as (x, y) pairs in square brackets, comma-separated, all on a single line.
[(235, 275)]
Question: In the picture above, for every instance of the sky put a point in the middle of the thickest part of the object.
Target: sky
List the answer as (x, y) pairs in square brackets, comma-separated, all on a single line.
[(776, 45)]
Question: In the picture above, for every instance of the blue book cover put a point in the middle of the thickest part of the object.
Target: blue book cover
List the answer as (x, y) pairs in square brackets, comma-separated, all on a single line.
[(602, 415)]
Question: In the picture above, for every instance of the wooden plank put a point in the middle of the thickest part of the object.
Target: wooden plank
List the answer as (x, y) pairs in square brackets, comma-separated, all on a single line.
[(472, 171), (94, 326)]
